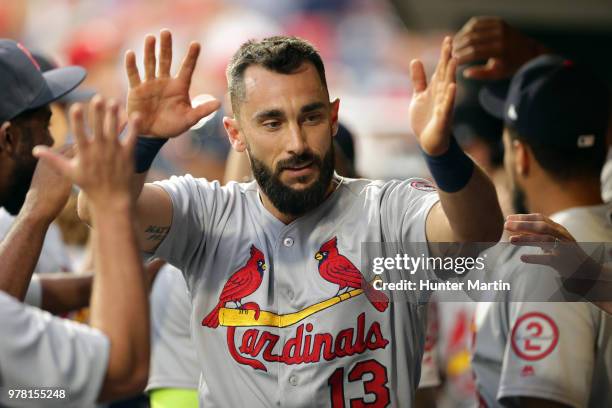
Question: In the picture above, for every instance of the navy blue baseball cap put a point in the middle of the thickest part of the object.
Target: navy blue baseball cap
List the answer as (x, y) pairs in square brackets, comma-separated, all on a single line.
[(552, 101), (78, 94), (24, 86)]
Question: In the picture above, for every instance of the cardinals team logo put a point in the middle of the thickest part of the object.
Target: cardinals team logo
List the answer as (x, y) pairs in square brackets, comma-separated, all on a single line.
[(306, 346), (337, 269), (241, 284)]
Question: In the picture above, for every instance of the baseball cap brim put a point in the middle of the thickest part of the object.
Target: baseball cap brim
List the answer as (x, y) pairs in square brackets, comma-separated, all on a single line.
[(77, 95), (60, 81), (492, 98)]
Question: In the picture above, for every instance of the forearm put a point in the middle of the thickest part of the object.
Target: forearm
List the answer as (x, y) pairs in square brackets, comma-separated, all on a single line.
[(473, 213), (19, 252), (62, 293), (119, 305)]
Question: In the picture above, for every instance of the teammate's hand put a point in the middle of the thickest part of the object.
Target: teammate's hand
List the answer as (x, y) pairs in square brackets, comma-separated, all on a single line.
[(163, 101), (501, 47), (49, 190), (432, 105), (103, 166), (560, 249)]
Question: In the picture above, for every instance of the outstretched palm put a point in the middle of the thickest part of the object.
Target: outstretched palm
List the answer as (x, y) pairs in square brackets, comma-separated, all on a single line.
[(431, 106), (162, 100)]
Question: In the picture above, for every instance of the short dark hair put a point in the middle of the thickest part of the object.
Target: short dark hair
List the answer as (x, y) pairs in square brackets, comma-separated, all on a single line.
[(566, 164), (280, 54)]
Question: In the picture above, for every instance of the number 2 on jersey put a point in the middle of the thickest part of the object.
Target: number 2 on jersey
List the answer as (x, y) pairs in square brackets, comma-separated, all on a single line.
[(377, 385)]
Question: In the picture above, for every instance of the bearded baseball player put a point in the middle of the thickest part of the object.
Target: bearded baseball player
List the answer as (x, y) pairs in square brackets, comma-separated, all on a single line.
[(273, 266)]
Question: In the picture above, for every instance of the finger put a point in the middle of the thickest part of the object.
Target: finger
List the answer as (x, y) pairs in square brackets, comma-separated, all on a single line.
[(111, 121), (55, 160), (478, 53), (165, 53), (149, 57), (532, 239), (487, 36), (202, 111), (97, 118), (131, 69), (484, 72), (444, 57), (451, 71), (448, 103), (538, 227), (418, 77), (538, 259), (542, 241), (189, 63), (525, 217), (482, 22), (77, 124)]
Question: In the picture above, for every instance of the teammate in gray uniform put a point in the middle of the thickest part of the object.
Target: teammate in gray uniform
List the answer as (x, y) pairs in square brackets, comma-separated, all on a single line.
[(175, 371), (44, 360), (554, 353), (280, 313)]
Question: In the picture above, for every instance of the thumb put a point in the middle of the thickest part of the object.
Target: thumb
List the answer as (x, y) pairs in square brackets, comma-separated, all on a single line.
[(202, 110), (54, 160), (493, 70)]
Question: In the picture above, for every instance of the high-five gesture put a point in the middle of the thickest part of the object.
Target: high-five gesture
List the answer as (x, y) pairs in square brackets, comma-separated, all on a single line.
[(432, 105), (103, 165), (163, 101)]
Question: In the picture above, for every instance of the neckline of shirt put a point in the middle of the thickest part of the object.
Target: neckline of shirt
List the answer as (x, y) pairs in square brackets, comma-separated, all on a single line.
[(333, 196)]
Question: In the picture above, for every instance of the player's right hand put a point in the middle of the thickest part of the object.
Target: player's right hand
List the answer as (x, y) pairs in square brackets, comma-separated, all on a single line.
[(560, 249), (431, 106), (103, 166), (163, 101)]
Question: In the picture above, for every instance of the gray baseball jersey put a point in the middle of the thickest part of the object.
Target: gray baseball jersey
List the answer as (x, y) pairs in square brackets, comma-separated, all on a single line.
[(555, 351), (174, 363), (38, 350), (273, 324), (53, 256)]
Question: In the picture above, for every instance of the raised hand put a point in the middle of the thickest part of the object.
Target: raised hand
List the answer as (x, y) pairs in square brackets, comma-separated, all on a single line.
[(103, 166), (163, 101), (503, 48), (432, 105)]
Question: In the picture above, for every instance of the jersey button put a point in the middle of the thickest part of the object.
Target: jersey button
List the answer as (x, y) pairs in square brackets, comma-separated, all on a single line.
[(288, 242), (293, 380)]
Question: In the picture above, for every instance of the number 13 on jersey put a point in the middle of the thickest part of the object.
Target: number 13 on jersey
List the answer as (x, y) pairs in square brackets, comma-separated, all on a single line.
[(372, 374)]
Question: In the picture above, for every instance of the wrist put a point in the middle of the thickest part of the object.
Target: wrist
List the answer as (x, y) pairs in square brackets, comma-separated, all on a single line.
[(146, 150), (451, 169), (36, 212), (111, 206)]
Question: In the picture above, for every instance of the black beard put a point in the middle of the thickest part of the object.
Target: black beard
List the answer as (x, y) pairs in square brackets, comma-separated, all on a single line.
[(519, 200), (286, 199), (16, 193)]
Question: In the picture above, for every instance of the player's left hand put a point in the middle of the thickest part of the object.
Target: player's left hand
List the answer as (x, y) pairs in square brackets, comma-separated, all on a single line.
[(431, 106)]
